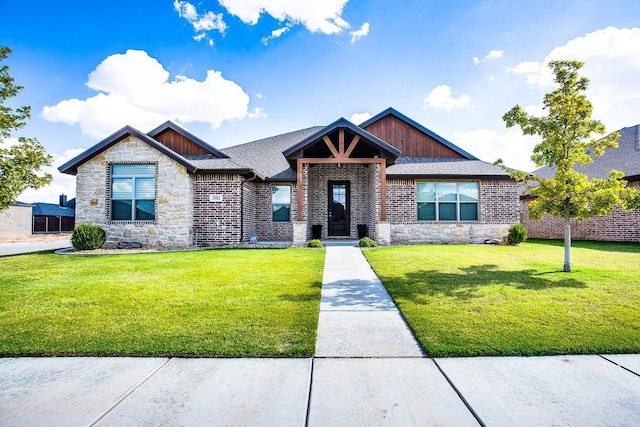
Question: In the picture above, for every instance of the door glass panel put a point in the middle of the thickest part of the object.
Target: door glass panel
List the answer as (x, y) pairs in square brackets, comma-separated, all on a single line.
[(339, 202)]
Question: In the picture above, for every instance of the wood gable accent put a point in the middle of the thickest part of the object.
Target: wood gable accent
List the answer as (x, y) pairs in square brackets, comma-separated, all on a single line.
[(180, 143), (408, 139)]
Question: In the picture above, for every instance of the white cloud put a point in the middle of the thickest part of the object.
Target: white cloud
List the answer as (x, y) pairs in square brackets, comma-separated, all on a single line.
[(358, 34), (512, 147), (136, 90), (440, 99), (494, 54), (358, 118), (322, 16), (612, 63), (257, 113), (275, 34), (201, 23)]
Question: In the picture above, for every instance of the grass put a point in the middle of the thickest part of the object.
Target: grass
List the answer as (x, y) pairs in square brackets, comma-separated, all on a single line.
[(506, 300), (236, 303)]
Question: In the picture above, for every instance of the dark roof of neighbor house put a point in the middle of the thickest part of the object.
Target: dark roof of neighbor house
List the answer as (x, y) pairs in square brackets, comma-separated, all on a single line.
[(444, 168), (625, 158), (265, 155), (52, 209), (435, 136)]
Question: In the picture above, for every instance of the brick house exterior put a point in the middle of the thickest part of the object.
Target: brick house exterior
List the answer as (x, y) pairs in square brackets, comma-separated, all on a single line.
[(619, 226), (390, 178)]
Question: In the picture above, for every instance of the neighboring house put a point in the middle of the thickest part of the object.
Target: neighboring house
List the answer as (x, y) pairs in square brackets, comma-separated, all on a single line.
[(389, 177), (621, 225), (15, 221), (52, 218)]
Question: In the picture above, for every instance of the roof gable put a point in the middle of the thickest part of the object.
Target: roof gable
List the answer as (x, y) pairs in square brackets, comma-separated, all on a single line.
[(71, 167), (342, 138), (182, 141), (410, 137)]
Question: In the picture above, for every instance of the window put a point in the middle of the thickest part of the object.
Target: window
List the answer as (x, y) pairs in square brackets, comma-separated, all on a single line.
[(447, 201), (280, 203), (133, 192)]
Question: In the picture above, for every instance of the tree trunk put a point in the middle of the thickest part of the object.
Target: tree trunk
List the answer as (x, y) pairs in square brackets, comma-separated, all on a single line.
[(567, 239)]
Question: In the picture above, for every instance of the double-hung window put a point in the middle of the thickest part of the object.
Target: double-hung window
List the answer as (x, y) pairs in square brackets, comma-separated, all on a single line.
[(133, 192), (447, 201), (280, 203)]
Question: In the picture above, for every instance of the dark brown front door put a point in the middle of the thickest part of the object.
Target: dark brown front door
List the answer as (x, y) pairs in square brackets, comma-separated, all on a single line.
[(338, 208)]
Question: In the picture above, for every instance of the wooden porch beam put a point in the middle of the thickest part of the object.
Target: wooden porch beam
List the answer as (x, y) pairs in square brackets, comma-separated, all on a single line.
[(341, 143), (352, 145), (330, 146), (300, 189), (383, 190)]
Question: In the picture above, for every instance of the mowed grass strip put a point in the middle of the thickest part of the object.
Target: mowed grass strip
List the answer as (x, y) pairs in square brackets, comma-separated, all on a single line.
[(505, 300), (232, 303)]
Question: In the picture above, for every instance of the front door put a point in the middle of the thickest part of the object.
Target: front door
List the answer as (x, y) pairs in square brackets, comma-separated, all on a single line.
[(338, 208)]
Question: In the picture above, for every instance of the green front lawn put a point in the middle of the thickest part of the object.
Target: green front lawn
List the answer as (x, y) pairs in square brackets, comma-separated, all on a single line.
[(257, 302), (505, 300)]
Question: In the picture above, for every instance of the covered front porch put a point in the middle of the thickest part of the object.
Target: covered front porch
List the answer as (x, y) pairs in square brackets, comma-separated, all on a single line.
[(341, 184)]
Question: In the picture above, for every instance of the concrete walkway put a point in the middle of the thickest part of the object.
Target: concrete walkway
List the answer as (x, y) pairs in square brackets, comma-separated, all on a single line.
[(368, 370)]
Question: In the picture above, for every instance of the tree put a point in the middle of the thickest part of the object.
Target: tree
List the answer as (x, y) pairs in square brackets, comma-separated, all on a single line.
[(567, 133), (21, 163)]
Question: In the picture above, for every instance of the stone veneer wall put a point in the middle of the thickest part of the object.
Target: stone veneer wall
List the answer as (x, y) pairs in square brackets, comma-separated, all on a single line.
[(619, 226), (16, 221), (174, 210), (266, 229), (319, 176), (498, 205), (217, 223)]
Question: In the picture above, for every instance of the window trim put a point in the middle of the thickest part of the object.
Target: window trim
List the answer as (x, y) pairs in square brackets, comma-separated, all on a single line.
[(288, 220), (436, 202), (133, 199)]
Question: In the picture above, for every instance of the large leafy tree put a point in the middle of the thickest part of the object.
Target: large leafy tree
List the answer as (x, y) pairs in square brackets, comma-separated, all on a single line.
[(20, 164), (569, 138)]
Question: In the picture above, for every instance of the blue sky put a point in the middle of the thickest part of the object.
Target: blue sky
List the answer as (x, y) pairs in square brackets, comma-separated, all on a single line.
[(232, 71)]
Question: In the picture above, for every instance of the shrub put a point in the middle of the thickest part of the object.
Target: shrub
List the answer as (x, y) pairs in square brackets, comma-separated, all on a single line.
[(315, 243), (367, 242), (517, 234), (87, 236)]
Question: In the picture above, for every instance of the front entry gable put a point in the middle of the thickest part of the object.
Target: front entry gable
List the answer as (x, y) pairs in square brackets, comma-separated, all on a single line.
[(341, 142)]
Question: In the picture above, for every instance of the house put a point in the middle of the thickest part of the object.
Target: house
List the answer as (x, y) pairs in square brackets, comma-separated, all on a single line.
[(390, 178), (52, 218), (619, 226), (15, 221)]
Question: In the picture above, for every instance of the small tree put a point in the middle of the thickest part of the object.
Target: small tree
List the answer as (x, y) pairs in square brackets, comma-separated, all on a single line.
[(567, 140), (20, 163)]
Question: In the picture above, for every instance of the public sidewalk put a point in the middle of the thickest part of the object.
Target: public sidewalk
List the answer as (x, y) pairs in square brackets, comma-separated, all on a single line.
[(368, 370)]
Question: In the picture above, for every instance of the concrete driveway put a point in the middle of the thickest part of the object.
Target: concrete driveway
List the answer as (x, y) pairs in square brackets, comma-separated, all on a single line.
[(28, 247)]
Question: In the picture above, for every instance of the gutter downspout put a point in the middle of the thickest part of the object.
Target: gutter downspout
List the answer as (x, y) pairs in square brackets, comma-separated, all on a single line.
[(255, 175)]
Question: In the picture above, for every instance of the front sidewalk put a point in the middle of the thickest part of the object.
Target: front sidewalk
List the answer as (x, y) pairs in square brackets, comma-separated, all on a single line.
[(374, 373)]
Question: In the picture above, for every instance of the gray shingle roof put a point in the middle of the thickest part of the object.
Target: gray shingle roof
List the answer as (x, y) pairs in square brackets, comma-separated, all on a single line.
[(265, 155), (444, 168), (625, 158)]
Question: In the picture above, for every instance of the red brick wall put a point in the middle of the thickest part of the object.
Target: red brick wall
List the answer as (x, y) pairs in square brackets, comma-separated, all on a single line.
[(620, 226), (498, 201), (266, 229), (217, 223)]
